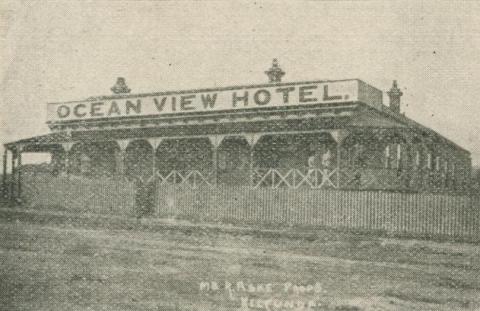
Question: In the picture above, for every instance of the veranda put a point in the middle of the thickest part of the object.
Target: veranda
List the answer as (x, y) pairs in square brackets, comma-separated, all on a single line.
[(360, 159)]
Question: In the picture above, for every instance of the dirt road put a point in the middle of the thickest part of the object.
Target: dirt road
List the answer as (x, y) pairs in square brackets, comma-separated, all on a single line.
[(64, 265)]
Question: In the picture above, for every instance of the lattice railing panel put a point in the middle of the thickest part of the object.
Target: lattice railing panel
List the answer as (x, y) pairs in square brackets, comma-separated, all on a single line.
[(190, 178), (295, 178)]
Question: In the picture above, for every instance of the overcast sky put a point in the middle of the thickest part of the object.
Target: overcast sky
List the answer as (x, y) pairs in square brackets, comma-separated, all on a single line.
[(69, 50)]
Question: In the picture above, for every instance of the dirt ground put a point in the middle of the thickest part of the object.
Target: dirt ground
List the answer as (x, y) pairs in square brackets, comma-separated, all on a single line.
[(61, 262)]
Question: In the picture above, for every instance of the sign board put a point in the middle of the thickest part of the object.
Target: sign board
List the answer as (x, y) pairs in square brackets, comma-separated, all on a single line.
[(216, 100)]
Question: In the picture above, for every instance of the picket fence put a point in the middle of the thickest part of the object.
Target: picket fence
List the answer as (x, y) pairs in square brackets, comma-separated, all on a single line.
[(103, 196), (415, 214)]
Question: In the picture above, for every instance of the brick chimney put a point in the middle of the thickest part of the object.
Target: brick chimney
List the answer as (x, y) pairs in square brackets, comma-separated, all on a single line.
[(395, 93)]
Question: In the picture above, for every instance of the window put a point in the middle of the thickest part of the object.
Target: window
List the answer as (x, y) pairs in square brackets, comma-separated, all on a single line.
[(399, 156), (437, 163), (387, 156), (429, 161), (417, 159)]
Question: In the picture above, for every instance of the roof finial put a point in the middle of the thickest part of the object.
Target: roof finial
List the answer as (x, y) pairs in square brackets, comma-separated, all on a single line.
[(120, 87), (275, 73)]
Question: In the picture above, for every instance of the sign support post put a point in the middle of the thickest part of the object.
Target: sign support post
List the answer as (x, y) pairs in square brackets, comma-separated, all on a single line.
[(12, 176), (19, 173), (4, 175)]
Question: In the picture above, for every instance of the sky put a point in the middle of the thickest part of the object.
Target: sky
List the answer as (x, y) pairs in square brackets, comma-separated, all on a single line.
[(54, 51)]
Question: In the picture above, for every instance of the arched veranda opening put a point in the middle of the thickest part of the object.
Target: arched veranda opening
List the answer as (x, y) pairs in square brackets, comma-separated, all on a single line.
[(233, 161), (293, 160), (93, 159), (295, 151), (185, 160)]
